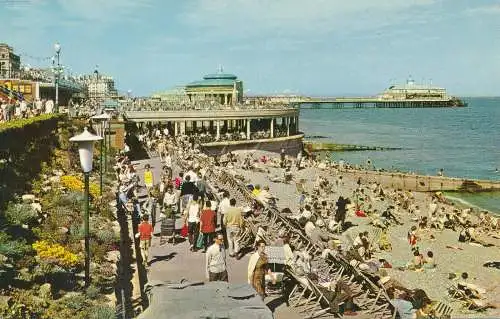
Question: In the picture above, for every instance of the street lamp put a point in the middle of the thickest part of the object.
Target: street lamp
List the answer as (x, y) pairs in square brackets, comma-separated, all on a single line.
[(57, 68), (96, 72), (101, 120), (86, 149)]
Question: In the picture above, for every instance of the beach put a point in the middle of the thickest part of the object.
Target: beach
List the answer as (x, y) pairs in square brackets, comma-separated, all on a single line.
[(466, 257)]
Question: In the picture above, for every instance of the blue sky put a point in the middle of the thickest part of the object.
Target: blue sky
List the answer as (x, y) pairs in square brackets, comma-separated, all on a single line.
[(315, 47)]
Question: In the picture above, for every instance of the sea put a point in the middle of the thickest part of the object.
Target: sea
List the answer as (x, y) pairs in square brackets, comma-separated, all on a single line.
[(463, 141)]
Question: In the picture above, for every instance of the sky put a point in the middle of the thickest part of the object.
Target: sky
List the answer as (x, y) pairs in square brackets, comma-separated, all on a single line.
[(310, 47)]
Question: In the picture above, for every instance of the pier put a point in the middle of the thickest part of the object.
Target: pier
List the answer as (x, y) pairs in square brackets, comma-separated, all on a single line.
[(328, 102)]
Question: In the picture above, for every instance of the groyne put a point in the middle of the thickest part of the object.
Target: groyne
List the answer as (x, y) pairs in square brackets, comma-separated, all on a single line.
[(423, 183)]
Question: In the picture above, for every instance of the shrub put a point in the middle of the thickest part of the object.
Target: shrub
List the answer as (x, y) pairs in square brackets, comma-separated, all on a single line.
[(102, 312), (13, 248), (20, 214), (55, 254), (92, 292)]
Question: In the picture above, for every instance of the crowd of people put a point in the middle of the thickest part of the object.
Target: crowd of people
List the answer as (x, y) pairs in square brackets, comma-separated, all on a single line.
[(148, 104), (324, 216), (16, 109)]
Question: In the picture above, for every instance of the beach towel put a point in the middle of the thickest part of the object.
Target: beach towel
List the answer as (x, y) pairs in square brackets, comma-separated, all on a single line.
[(360, 213)]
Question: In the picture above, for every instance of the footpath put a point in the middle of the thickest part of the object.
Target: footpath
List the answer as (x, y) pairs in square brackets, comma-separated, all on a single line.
[(169, 262)]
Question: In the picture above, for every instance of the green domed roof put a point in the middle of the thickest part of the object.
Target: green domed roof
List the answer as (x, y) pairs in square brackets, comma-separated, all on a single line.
[(220, 76), (215, 79)]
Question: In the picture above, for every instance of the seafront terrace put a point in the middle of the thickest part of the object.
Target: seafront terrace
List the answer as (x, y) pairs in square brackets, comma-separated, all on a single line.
[(154, 105), (242, 121)]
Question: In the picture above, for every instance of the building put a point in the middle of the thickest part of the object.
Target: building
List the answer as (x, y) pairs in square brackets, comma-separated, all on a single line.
[(222, 88), (413, 91), (10, 63), (174, 95), (99, 87)]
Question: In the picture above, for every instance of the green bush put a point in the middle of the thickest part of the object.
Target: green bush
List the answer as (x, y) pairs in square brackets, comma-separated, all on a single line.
[(92, 292), (21, 214), (102, 312), (13, 248)]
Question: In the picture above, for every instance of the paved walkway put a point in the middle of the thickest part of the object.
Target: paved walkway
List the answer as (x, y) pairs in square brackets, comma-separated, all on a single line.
[(170, 262)]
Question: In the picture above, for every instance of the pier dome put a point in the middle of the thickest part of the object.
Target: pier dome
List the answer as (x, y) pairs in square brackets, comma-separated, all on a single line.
[(224, 88)]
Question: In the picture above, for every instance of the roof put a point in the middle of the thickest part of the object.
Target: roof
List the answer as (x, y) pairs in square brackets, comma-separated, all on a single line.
[(220, 76), (414, 87), (212, 82), (110, 104), (215, 79)]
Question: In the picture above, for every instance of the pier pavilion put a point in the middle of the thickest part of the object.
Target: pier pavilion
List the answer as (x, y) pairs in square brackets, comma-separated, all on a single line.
[(220, 87)]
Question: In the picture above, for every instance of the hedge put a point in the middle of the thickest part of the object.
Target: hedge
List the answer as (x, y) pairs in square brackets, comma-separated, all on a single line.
[(25, 144)]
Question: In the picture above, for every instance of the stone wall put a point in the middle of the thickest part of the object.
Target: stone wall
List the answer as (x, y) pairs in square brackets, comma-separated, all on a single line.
[(291, 144)]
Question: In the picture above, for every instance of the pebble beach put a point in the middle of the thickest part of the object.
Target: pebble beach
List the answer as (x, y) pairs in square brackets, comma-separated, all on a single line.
[(463, 257)]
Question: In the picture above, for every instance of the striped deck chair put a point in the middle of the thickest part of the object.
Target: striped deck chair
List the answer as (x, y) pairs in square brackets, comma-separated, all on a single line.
[(442, 311), (301, 289), (318, 301)]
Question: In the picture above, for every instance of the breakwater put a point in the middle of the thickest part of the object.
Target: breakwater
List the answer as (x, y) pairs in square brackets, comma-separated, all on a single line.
[(423, 183), (334, 147)]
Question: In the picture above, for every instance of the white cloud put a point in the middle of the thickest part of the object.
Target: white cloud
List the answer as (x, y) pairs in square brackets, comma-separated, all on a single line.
[(489, 9), (104, 11), (288, 17)]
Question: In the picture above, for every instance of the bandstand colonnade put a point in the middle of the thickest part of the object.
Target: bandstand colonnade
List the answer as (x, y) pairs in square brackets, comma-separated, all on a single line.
[(277, 122)]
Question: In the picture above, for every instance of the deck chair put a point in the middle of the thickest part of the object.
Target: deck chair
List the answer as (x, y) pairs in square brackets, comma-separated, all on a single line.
[(276, 262), (442, 311), (319, 303), (300, 291)]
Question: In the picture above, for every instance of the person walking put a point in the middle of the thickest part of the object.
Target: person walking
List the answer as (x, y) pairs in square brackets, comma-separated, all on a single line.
[(257, 269), (188, 189), (192, 219), (207, 224), (148, 179), (233, 220), (145, 234), (216, 268)]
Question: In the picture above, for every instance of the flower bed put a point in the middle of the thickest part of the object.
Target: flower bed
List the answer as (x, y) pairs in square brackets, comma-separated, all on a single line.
[(55, 253), (74, 183)]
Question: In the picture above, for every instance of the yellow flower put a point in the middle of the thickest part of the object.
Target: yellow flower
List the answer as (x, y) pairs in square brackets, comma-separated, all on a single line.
[(55, 254)]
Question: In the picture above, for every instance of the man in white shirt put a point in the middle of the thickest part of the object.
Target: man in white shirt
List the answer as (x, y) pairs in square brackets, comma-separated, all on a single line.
[(216, 269), (49, 106), (38, 106), (165, 131), (24, 108), (223, 207), (168, 160)]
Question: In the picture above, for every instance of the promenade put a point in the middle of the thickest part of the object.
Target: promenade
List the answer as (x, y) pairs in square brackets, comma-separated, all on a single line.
[(170, 262)]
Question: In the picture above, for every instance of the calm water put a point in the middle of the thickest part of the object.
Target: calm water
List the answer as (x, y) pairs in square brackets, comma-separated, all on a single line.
[(465, 142)]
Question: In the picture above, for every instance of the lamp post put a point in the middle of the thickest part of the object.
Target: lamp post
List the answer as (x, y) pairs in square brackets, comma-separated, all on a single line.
[(86, 150), (96, 72), (101, 120), (57, 68)]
